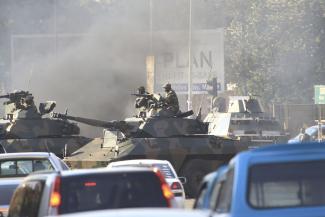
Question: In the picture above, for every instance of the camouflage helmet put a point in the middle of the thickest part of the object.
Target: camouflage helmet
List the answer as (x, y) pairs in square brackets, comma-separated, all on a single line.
[(167, 86)]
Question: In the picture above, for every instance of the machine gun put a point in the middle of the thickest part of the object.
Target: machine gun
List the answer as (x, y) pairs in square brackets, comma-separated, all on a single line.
[(146, 95), (16, 96), (122, 126)]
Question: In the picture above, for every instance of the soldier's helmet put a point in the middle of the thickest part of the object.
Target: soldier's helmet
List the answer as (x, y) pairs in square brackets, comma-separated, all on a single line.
[(141, 89), (167, 86)]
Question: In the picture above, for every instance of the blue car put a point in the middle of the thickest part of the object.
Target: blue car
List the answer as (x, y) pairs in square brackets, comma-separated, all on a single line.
[(205, 191), (278, 180)]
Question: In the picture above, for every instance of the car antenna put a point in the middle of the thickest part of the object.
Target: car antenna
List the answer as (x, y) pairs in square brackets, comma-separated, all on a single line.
[(47, 148)]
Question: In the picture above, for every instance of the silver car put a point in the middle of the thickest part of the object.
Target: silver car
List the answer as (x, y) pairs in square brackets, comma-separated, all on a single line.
[(73, 191), (15, 166)]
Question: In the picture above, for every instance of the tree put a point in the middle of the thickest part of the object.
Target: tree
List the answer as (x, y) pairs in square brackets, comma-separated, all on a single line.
[(275, 48)]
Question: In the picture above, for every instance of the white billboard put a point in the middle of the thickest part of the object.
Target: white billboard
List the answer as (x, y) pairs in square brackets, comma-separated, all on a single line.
[(172, 66)]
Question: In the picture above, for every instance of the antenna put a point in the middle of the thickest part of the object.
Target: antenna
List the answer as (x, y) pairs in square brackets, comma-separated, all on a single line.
[(47, 147), (30, 77)]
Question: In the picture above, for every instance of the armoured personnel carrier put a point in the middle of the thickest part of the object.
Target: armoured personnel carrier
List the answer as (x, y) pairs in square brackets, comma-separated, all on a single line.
[(180, 139), (25, 128), (243, 118)]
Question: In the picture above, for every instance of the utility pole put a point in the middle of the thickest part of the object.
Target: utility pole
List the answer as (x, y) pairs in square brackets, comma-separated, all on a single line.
[(189, 99)]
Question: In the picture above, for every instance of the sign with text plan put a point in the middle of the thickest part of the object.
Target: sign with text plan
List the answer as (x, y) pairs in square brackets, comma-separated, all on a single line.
[(172, 61)]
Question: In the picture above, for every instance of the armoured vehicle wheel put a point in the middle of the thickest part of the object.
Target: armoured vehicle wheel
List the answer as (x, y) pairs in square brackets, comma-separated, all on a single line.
[(194, 170)]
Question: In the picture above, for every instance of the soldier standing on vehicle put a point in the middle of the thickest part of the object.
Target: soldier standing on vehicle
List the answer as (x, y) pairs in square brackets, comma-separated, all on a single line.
[(170, 100), (141, 101)]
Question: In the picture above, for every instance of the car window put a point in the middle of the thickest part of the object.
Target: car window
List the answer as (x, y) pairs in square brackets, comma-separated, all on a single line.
[(23, 167), (201, 195), (110, 191), (27, 199), (17, 202), (290, 187), (214, 195), (164, 168), (225, 196), (6, 193)]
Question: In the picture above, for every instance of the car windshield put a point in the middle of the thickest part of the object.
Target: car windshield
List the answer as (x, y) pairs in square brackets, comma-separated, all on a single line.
[(111, 191), (163, 167), (279, 185), (6, 193), (23, 167)]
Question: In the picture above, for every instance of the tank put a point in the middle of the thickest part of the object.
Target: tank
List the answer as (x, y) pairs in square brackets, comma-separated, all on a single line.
[(243, 118), (182, 139), (25, 127)]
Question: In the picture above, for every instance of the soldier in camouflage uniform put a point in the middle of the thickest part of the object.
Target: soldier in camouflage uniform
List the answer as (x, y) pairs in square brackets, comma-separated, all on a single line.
[(142, 102), (170, 101)]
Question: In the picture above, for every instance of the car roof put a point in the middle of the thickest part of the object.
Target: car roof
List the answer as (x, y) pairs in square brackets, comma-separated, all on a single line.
[(289, 151), (301, 147), (81, 172), (10, 180), (140, 161), (27, 155)]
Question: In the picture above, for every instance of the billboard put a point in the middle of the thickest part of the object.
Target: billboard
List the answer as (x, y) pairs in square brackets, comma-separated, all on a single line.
[(207, 60)]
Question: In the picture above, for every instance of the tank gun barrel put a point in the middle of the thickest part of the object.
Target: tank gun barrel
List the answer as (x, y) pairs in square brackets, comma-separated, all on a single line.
[(119, 125)]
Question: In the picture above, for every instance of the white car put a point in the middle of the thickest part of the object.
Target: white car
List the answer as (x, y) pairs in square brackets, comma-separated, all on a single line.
[(174, 182), (15, 166)]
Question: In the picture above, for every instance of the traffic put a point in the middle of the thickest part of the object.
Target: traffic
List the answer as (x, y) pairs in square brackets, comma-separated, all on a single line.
[(135, 108)]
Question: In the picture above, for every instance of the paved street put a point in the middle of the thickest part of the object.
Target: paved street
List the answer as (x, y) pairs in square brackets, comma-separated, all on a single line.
[(189, 203)]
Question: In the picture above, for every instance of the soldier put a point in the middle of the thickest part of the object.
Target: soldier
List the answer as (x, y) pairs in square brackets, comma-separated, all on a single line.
[(141, 102), (29, 105), (170, 100)]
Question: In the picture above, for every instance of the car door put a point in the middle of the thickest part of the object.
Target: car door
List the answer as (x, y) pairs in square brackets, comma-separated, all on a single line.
[(27, 198)]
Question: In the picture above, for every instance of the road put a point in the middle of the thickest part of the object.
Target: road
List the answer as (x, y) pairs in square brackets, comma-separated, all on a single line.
[(189, 203)]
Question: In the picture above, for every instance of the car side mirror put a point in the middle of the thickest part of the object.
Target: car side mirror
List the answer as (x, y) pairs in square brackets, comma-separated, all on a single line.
[(182, 180)]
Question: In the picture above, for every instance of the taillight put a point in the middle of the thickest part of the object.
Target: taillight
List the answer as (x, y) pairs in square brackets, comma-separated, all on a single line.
[(176, 186), (90, 184), (55, 200), (168, 194)]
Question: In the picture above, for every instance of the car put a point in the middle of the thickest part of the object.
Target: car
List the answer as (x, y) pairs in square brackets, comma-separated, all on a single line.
[(175, 182), (72, 191), (140, 212), (312, 132), (205, 196), (15, 166), (277, 180)]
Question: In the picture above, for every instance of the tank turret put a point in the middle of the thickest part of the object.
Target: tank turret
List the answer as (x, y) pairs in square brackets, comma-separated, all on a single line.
[(25, 127)]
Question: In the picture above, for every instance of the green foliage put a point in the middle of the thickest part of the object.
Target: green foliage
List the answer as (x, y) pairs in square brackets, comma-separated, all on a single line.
[(275, 48)]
